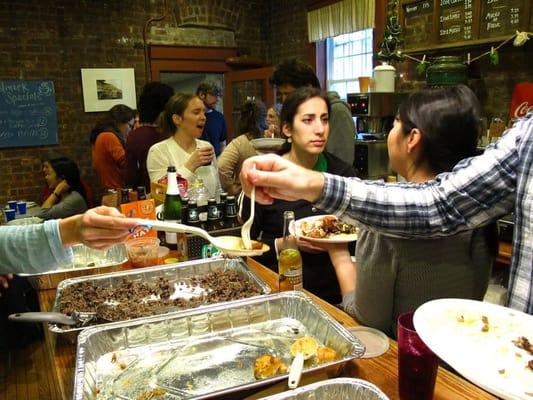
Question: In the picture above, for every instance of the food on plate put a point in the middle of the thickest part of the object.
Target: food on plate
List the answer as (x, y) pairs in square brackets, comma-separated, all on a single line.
[(523, 343), (152, 394), (267, 366), (326, 227), (134, 299), (325, 354)]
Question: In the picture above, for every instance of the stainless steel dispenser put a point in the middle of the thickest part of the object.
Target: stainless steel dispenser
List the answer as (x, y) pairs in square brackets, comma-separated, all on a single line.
[(374, 115)]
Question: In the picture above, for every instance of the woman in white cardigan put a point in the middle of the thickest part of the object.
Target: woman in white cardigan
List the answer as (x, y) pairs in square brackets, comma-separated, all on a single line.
[(184, 120)]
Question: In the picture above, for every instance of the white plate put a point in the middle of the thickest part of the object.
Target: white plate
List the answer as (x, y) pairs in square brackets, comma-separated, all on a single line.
[(296, 230), (267, 145), (488, 359)]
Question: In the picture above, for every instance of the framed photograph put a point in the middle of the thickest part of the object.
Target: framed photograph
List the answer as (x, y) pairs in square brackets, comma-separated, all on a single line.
[(105, 87)]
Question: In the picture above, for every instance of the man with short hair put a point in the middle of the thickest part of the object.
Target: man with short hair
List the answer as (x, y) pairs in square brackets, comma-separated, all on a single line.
[(215, 131), (292, 74)]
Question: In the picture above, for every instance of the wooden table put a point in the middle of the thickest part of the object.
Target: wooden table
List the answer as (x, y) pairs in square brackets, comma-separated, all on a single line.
[(382, 370)]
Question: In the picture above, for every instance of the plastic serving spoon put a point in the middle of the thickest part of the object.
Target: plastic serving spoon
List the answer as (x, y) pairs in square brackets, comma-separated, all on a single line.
[(54, 317), (302, 349), (231, 245)]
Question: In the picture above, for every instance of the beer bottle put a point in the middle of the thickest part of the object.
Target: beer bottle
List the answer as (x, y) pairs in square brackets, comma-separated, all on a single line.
[(289, 259), (222, 206), (213, 217), (193, 218), (172, 206), (184, 210), (230, 216), (141, 193)]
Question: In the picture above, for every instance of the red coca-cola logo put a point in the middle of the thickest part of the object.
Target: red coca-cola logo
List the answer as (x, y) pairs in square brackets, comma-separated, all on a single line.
[(522, 109)]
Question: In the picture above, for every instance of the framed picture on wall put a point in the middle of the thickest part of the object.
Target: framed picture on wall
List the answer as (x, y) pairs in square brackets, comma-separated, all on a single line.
[(105, 87)]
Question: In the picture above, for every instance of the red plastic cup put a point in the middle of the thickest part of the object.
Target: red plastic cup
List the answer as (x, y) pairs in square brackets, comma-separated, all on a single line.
[(417, 364)]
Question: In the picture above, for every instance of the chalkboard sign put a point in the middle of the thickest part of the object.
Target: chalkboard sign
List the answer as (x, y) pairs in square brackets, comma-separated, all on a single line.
[(28, 114), (500, 17), (455, 20), (418, 22), (440, 24)]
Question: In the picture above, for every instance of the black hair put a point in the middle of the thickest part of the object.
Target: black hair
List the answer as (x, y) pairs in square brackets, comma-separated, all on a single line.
[(68, 170), (293, 102), (449, 120), (177, 104), (253, 119), (118, 114), (295, 73), (152, 101)]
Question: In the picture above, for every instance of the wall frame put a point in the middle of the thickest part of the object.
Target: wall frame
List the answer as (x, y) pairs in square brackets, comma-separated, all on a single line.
[(105, 87)]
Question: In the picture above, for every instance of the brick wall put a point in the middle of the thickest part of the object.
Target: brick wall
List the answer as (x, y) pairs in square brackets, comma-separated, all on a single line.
[(54, 39)]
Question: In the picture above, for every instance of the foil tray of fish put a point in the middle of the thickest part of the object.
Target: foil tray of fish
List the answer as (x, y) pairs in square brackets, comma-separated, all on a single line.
[(333, 389), (85, 261), (138, 293), (218, 350)]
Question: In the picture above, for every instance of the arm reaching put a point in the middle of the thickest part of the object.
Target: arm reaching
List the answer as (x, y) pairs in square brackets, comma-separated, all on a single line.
[(99, 228), (278, 178)]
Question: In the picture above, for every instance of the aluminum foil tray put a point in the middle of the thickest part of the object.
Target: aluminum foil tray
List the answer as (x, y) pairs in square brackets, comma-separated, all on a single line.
[(86, 261), (333, 389), (204, 352), (173, 272)]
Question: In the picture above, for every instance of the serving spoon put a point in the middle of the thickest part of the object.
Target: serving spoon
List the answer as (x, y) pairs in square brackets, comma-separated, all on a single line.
[(231, 245)]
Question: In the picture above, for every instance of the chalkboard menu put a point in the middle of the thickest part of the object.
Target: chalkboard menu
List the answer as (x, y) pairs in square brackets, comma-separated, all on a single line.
[(28, 114), (455, 20), (418, 22), (433, 24), (500, 17)]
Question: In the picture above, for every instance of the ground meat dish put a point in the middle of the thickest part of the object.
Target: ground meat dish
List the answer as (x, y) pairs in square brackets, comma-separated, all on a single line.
[(133, 299)]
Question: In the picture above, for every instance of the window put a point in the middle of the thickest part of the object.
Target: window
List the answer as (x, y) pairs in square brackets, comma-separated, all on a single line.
[(349, 56)]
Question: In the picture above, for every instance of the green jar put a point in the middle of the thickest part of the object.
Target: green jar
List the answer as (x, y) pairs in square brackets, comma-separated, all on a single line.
[(447, 71)]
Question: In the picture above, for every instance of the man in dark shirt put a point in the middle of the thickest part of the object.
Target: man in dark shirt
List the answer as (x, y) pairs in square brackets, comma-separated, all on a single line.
[(152, 101), (215, 127)]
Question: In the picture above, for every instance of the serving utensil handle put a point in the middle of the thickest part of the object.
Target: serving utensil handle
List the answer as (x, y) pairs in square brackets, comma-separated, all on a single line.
[(295, 370), (51, 317)]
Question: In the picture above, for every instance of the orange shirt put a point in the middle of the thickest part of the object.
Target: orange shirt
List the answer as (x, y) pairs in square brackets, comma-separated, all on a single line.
[(109, 160)]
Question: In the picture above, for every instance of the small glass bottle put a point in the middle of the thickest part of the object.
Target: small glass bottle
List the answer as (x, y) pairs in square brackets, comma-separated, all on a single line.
[(213, 217), (290, 272), (230, 216), (184, 210), (141, 193), (222, 204), (124, 196)]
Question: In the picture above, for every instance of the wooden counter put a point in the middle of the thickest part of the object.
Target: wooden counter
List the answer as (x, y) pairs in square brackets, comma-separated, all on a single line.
[(382, 371)]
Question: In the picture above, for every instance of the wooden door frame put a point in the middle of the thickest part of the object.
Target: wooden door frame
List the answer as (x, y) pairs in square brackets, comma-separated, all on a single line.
[(245, 75), (188, 59)]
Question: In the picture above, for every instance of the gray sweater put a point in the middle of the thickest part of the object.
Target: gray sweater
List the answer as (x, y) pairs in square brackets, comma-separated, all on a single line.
[(72, 204), (341, 141), (397, 275)]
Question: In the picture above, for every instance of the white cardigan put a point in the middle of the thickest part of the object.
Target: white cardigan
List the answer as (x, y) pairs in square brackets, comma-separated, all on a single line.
[(168, 152)]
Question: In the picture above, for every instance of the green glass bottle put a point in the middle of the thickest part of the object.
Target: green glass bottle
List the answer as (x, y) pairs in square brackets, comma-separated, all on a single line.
[(172, 207)]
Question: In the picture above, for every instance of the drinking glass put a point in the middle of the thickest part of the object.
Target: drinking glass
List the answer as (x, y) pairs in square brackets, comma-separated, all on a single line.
[(417, 364)]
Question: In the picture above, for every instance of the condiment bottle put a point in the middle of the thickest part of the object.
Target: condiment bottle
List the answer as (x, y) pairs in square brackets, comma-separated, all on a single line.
[(172, 206), (230, 216), (289, 260)]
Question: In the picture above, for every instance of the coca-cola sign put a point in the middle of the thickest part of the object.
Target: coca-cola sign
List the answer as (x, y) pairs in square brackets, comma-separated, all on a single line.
[(522, 109), (522, 101)]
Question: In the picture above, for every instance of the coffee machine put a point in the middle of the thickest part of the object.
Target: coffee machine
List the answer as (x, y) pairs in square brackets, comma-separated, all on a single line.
[(374, 116)]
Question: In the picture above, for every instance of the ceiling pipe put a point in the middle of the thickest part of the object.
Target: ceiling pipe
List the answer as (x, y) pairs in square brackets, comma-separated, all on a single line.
[(147, 69)]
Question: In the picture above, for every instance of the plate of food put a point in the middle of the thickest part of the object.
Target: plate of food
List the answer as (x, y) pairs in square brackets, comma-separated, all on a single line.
[(488, 344), (267, 145), (324, 228)]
